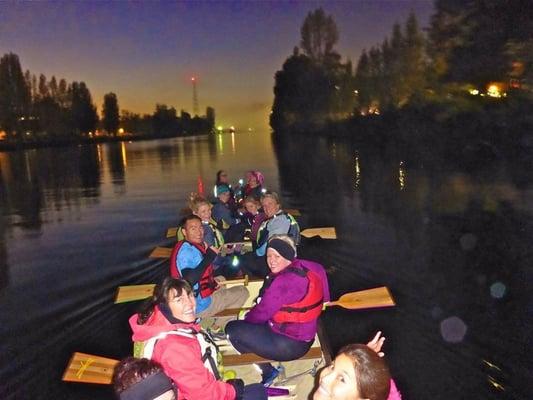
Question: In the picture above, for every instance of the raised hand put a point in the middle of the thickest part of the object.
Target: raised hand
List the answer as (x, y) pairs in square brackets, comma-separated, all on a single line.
[(377, 343)]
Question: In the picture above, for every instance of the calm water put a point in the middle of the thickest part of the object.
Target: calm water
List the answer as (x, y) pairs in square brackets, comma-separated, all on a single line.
[(453, 247)]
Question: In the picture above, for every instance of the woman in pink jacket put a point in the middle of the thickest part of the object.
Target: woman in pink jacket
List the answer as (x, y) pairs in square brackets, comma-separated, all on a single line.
[(169, 334)]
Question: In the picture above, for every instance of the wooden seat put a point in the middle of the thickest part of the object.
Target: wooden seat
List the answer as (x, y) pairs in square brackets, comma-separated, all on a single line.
[(250, 358)]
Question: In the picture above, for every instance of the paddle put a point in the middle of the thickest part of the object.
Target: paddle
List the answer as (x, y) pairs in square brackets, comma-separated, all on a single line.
[(324, 233), (89, 368), (140, 292), (369, 298)]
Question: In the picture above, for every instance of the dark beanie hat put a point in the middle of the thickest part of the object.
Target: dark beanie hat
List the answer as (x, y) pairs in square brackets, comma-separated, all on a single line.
[(283, 248)]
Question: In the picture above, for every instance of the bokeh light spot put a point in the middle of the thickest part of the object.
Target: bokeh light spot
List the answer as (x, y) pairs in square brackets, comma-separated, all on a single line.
[(436, 312), (497, 290), (453, 329), (468, 241)]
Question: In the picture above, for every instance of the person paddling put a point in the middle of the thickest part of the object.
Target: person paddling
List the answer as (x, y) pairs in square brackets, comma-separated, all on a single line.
[(166, 332)]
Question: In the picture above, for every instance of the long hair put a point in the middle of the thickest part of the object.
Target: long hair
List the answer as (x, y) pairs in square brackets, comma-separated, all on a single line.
[(218, 181), (371, 371), (162, 295)]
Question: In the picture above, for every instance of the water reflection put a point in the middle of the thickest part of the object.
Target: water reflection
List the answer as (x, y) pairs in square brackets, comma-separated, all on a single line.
[(452, 245), (117, 162)]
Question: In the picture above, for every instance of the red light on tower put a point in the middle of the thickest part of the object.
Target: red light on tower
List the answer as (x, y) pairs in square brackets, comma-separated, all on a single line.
[(194, 96)]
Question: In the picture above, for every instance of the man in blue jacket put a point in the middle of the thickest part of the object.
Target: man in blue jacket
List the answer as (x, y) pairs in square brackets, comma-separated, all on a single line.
[(192, 259)]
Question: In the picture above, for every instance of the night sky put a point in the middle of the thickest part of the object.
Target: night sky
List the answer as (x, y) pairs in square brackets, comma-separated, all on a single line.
[(146, 52)]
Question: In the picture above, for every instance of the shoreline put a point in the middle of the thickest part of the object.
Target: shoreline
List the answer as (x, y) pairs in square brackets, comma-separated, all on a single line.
[(65, 142)]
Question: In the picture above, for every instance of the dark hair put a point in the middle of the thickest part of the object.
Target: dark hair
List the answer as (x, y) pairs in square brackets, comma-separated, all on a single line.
[(131, 371), (161, 295), (371, 371), (189, 217), (220, 172)]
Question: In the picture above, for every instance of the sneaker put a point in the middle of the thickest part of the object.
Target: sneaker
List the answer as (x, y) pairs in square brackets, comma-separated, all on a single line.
[(269, 379)]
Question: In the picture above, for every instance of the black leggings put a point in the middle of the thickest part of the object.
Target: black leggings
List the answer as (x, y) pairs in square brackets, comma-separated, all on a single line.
[(260, 339)]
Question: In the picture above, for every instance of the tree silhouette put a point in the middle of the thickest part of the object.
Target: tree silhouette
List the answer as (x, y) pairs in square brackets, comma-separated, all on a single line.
[(14, 94), (319, 35), (110, 113), (82, 110)]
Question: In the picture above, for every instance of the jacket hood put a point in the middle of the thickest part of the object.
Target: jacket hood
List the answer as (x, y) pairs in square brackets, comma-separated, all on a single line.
[(156, 324)]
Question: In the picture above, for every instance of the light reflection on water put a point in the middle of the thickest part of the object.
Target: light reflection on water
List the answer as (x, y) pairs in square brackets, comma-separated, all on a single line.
[(453, 247)]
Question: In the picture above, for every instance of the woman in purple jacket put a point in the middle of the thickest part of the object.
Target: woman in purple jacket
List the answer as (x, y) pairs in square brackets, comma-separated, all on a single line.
[(283, 323)]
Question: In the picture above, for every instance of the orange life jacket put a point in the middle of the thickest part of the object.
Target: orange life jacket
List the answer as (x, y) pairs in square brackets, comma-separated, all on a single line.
[(207, 283), (308, 308)]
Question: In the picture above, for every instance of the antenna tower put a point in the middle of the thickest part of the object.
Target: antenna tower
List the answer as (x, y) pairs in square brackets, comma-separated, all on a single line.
[(194, 97)]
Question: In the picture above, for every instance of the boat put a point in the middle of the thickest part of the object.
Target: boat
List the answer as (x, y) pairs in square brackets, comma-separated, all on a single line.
[(296, 376)]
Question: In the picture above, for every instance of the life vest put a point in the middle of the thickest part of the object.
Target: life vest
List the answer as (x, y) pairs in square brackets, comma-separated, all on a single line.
[(210, 355), (293, 231), (305, 310), (207, 283)]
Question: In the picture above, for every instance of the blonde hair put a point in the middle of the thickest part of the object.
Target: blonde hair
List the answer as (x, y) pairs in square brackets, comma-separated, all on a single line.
[(196, 201)]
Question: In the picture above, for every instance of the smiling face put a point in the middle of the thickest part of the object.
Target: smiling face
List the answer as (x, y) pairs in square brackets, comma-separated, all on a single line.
[(193, 231), (204, 212), (270, 206), (182, 306), (338, 381), (276, 262), (251, 207)]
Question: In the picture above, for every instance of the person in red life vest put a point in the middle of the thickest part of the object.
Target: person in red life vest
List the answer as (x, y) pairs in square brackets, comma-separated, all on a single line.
[(283, 323), (191, 259), (358, 373), (166, 331)]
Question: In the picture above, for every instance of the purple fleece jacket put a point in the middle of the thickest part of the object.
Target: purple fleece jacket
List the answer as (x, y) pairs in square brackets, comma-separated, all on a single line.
[(288, 288)]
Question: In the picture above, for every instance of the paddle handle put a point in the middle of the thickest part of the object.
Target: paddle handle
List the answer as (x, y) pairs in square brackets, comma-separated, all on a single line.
[(244, 280)]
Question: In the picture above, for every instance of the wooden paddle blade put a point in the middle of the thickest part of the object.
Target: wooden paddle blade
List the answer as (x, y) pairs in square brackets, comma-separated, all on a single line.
[(161, 252), (89, 368), (370, 298), (324, 233), (172, 232), (134, 293), (294, 212)]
